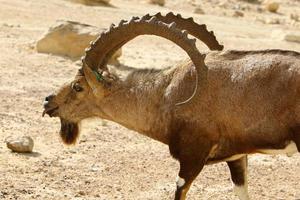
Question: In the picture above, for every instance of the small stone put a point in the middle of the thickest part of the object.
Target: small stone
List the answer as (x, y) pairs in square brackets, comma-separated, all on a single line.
[(272, 21), (238, 14), (292, 37), (158, 2), (96, 168), (199, 10), (81, 193), (21, 145), (271, 6), (295, 17)]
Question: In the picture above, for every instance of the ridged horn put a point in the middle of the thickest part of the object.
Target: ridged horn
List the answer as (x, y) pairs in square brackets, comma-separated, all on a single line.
[(196, 30), (110, 41)]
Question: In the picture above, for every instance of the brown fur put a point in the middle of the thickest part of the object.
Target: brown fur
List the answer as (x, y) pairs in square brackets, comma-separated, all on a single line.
[(248, 101), (69, 132), (238, 169)]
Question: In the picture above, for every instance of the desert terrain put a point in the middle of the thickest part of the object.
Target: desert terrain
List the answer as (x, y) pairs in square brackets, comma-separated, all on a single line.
[(109, 161)]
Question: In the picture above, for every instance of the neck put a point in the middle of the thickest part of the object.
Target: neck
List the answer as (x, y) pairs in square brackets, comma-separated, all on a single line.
[(137, 101)]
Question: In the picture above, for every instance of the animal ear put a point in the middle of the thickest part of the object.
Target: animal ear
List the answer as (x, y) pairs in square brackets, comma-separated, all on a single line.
[(94, 79)]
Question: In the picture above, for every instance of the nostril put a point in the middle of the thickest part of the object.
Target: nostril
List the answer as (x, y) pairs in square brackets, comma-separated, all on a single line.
[(48, 98)]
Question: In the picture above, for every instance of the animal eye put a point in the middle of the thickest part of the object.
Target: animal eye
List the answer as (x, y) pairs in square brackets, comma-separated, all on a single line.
[(77, 87)]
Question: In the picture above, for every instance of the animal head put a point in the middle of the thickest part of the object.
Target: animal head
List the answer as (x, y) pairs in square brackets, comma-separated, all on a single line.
[(72, 103), (82, 98)]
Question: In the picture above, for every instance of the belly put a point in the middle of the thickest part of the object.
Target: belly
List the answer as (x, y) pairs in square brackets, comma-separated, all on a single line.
[(289, 150)]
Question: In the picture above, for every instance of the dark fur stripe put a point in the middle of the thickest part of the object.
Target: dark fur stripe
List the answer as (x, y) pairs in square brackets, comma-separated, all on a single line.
[(69, 132)]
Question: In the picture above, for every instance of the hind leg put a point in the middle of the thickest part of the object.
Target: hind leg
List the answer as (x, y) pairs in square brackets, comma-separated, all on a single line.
[(238, 171)]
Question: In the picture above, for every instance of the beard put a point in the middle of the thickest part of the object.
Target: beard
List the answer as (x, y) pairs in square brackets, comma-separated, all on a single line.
[(69, 131)]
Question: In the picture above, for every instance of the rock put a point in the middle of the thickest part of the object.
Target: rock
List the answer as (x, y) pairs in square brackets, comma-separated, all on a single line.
[(21, 145), (292, 37), (238, 14), (272, 21), (288, 36), (91, 2), (158, 2), (271, 6), (68, 38), (295, 17), (199, 10)]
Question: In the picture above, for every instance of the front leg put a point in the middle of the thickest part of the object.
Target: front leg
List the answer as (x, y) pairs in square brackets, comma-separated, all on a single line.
[(192, 157), (189, 170), (238, 171)]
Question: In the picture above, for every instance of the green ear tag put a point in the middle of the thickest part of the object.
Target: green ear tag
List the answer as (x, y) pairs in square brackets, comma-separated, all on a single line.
[(98, 76)]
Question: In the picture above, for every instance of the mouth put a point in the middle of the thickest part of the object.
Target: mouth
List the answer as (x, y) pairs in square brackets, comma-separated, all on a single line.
[(52, 112)]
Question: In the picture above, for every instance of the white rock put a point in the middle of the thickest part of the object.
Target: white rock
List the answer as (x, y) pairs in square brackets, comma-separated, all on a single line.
[(70, 39), (22, 144), (286, 35), (292, 37), (158, 2)]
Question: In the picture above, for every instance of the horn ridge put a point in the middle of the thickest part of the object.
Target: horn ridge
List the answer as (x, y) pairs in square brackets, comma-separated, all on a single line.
[(197, 30), (193, 28), (107, 35)]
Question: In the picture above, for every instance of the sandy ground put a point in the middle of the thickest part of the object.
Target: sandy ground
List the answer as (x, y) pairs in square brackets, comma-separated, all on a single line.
[(109, 161)]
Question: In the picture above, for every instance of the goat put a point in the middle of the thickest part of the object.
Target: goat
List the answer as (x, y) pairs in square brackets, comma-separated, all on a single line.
[(215, 107)]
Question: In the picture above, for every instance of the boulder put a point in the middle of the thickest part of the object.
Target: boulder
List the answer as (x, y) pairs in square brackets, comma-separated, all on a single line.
[(20, 144), (70, 39)]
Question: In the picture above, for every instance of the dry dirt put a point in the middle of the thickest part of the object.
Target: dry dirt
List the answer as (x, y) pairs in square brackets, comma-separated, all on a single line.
[(109, 161)]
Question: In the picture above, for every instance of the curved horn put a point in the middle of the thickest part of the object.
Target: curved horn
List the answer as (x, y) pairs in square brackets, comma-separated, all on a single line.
[(108, 42), (197, 30)]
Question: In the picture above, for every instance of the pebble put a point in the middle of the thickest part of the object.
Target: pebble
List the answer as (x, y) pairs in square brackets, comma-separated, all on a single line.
[(272, 21), (158, 2), (199, 10), (295, 17), (238, 14), (292, 37), (272, 6)]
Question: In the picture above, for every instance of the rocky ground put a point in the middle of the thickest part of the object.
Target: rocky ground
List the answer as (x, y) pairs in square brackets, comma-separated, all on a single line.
[(109, 161)]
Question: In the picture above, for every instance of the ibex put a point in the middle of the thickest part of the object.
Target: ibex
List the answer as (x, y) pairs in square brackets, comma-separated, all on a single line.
[(220, 106)]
